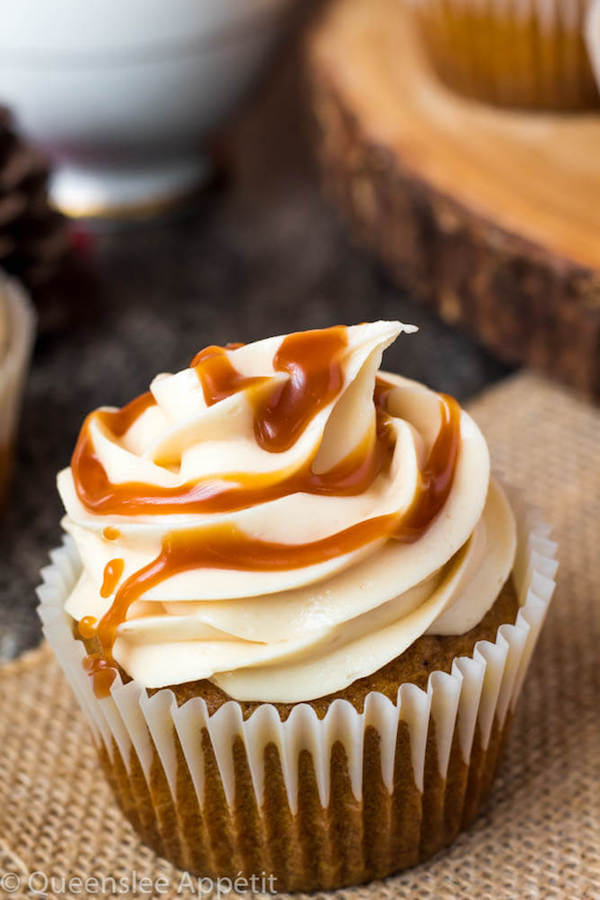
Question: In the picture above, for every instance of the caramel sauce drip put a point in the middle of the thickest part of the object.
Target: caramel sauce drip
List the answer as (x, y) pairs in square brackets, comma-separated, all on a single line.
[(111, 534), (219, 379), (91, 481), (87, 627), (100, 666), (229, 493), (112, 575), (435, 479), (102, 671), (313, 360), (120, 420), (225, 547)]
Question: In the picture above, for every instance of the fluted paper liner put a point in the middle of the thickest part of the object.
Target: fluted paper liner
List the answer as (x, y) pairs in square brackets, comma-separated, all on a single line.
[(190, 786), (525, 53)]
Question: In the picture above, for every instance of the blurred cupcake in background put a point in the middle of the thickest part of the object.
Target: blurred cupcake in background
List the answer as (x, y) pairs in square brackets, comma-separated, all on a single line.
[(592, 35), (516, 53), (16, 338)]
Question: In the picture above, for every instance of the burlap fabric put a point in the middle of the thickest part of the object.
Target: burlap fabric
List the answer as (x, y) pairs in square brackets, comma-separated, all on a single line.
[(539, 835)]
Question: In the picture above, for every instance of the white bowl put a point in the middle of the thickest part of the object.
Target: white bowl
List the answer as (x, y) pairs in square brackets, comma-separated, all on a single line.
[(123, 94)]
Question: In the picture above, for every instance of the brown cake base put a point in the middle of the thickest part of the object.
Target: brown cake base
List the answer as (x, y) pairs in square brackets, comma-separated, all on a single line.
[(347, 842), (487, 215)]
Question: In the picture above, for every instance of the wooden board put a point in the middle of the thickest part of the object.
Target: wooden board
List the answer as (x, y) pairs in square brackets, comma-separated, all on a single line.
[(491, 216)]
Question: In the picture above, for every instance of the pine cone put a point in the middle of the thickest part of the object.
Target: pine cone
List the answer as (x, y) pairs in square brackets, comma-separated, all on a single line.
[(34, 238)]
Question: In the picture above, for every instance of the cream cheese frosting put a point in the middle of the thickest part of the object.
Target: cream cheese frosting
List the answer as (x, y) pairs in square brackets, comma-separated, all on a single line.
[(272, 519)]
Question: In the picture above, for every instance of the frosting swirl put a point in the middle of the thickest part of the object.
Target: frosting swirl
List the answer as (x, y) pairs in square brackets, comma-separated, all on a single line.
[(281, 519)]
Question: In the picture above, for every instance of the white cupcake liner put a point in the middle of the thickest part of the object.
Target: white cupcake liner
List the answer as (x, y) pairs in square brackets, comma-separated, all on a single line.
[(20, 322), (479, 690)]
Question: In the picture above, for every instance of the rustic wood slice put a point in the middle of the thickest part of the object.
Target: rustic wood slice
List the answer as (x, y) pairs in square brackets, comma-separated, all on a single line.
[(490, 216)]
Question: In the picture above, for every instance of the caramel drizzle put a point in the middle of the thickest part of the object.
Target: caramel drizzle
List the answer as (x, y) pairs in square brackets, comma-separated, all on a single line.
[(313, 360), (225, 547), (112, 575), (91, 481), (219, 379), (87, 627), (231, 492)]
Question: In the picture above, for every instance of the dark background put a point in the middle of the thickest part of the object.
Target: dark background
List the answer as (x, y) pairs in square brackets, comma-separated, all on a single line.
[(259, 254)]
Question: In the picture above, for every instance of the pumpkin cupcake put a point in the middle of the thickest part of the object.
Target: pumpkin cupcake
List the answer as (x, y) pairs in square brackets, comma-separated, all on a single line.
[(296, 609), (518, 53)]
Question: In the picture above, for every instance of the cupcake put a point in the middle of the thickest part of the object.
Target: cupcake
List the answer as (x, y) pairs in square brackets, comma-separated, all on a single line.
[(296, 609), (528, 53), (16, 337)]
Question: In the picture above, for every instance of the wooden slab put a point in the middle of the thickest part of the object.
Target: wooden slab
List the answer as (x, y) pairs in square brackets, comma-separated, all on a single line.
[(491, 216)]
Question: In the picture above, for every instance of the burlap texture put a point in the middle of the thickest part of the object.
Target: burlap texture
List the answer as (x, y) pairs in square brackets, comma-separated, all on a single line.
[(539, 835)]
